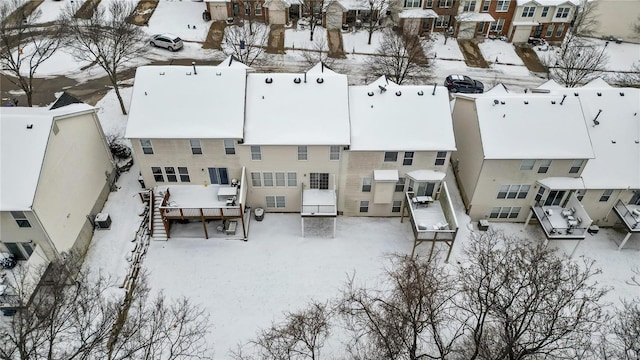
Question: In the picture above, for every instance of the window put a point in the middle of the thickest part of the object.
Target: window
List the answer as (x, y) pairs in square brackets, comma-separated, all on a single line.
[(302, 153), (528, 11), (580, 194), (258, 9), (400, 185), (412, 3), (563, 12), (184, 174), (364, 206), (635, 199), (505, 212), (545, 11), (366, 184), (21, 219), (171, 174), (334, 152), (292, 179), (441, 157), (229, 147), (196, 149), (267, 179), (280, 179), (485, 5), (503, 5), (606, 195), (576, 165), (549, 32), (219, 176), (397, 204), (559, 30), (147, 147), (319, 181), (527, 164), (469, 5), (157, 174), (513, 191), (497, 25), (408, 158), (390, 156), (247, 8), (429, 4), (445, 3), (256, 153), (275, 202), (443, 21), (544, 166), (255, 179), (21, 251)]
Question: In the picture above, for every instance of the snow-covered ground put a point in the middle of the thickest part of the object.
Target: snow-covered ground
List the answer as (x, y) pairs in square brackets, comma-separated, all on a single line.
[(181, 18), (501, 52), (300, 39)]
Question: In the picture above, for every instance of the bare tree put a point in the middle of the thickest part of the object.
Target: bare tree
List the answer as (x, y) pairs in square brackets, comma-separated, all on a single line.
[(624, 342), (586, 19), (399, 57), (312, 9), (372, 21), (576, 62), (107, 39), (522, 300), (245, 44), (300, 336), (24, 46), (412, 318), (317, 54), (71, 314)]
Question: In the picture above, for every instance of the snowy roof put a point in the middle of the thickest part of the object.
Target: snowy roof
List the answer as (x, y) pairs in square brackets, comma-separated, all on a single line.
[(526, 23), (549, 2), (22, 151), (597, 83), (550, 84), (562, 183), (297, 109), (426, 175), (532, 126), (472, 16), (403, 117), (174, 102), (355, 4), (500, 88), (385, 175), (217, 1), (417, 14), (232, 61)]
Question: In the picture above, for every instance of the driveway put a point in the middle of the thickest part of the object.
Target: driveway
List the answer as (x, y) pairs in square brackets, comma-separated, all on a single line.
[(215, 36), (275, 44), (530, 59), (472, 54), (334, 40)]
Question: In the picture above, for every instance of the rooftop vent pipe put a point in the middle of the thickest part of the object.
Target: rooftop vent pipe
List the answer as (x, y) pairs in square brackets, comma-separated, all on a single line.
[(195, 72)]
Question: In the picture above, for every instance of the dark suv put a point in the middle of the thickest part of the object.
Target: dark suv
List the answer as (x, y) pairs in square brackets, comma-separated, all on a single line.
[(463, 84)]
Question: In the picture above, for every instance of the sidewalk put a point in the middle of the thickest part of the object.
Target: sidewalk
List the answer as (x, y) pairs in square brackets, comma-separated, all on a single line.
[(530, 59)]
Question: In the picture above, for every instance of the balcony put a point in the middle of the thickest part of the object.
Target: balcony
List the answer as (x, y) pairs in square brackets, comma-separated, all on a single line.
[(319, 203), (630, 216), (567, 222)]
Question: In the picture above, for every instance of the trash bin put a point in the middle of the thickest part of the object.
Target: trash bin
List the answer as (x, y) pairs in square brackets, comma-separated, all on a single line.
[(258, 214)]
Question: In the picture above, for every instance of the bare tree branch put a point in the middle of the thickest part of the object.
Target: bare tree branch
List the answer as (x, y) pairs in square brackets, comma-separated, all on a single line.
[(399, 57), (576, 62), (245, 44)]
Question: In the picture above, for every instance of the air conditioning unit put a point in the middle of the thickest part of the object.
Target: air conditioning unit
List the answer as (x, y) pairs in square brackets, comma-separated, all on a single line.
[(103, 221)]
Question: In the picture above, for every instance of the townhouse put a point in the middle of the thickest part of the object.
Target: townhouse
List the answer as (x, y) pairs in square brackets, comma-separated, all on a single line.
[(56, 172), (546, 156), (417, 17), (547, 19)]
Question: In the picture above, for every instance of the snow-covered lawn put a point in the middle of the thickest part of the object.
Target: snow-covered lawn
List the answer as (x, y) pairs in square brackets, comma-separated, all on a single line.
[(181, 18), (503, 51), (356, 41), (299, 39), (440, 50), (621, 57)]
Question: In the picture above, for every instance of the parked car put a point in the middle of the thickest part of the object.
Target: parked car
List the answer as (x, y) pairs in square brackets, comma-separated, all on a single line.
[(166, 41), (463, 84)]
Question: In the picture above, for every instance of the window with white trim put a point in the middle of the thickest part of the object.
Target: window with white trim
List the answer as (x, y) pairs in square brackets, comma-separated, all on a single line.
[(400, 184), (256, 180), (390, 156), (441, 157), (606, 195), (485, 5), (21, 219), (545, 11), (256, 152), (562, 12), (280, 179), (527, 164), (513, 191), (196, 148), (497, 25), (275, 202), (443, 21), (302, 152), (412, 3), (550, 29), (503, 5), (20, 250), (559, 30), (396, 206), (170, 171), (469, 5), (334, 152), (366, 184), (576, 165), (267, 179), (445, 3), (364, 206), (544, 166), (429, 4), (292, 179), (229, 147), (157, 174), (528, 11), (247, 8), (505, 212), (408, 158), (184, 174), (147, 146), (258, 9)]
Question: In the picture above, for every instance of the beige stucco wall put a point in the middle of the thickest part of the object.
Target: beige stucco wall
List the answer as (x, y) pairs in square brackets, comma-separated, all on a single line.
[(361, 164), (277, 12), (10, 232), (467, 160), (601, 211), (177, 152), (334, 15), (276, 158), (218, 11), (73, 181), (617, 17), (537, 16)]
